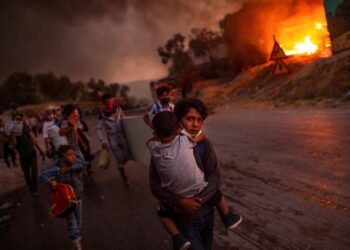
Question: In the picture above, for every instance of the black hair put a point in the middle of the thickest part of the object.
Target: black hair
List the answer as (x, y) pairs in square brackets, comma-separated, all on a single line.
[(68, 109), (17, 113), (161, 90), (63, 149), (183, 106), (105, 97), (165, 124)]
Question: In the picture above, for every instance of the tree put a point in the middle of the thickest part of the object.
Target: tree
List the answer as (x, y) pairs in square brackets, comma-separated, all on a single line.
[(203, 42), (21, 88), (181, 68)]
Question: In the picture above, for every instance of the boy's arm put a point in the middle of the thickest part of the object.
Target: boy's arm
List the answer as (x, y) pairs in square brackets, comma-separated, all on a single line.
[(46, 176), (78, 165), (211, 171), (35, 143), (100, 130), (65, 127)]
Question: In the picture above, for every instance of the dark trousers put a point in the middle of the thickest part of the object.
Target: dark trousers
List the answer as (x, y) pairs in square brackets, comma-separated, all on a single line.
[(29, 167), (9, 152), (198, 231)]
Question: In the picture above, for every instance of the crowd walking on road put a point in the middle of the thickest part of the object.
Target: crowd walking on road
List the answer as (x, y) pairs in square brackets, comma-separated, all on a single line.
[(184, 173)]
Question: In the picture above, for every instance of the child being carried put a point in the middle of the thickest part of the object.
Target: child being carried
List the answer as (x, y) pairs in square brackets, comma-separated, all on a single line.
[(173, 156)]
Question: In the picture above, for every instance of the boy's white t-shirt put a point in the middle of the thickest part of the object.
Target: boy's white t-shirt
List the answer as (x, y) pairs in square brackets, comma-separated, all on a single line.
[(46, 126), (57, 140), (177, 167)]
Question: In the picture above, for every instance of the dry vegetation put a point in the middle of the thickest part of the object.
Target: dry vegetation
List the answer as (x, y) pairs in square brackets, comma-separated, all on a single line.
[(323, 82)]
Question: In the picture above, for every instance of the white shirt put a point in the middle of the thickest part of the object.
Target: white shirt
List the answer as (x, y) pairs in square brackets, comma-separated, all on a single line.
[(177, 167), (157, 107), (56, 139), (46, 125)]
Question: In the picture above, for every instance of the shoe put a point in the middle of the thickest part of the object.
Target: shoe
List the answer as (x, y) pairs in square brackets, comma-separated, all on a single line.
[(180, 242), (6, 205), (4, 218), (231, 220)]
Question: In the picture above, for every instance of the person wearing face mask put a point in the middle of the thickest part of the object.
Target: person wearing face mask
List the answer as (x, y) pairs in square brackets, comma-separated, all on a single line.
[(49, 121), (110, 123), (163, 104)]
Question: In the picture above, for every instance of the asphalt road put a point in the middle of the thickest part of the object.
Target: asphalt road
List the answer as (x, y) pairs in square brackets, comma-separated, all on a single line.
[(288, 173), (285, 171)]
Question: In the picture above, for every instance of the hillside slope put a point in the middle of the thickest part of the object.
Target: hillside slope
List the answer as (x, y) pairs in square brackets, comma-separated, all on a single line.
[(323, 81)]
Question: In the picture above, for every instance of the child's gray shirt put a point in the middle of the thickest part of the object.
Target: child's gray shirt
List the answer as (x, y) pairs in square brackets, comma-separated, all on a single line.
[(177, 167)]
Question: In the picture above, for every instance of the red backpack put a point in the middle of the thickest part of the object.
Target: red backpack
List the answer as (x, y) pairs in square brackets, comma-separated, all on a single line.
[(63, 200)]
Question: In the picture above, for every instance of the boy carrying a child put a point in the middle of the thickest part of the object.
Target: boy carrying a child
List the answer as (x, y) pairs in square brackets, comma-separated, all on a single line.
[(172, 154)]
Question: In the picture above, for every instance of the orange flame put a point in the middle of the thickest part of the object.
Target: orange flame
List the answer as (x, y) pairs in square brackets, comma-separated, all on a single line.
[(307, 47), (305, 35)]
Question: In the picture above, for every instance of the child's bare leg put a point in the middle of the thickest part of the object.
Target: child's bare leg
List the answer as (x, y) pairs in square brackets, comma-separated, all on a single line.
[(170, 226), (230, 219), (223, 207), (179, 242)]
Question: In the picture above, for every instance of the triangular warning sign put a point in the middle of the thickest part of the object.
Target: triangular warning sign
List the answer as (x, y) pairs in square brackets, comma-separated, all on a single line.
[(277, 52), (280, 68)]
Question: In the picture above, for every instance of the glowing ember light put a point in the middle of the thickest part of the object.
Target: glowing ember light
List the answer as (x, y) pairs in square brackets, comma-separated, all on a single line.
[(318, 26), (303, 48)]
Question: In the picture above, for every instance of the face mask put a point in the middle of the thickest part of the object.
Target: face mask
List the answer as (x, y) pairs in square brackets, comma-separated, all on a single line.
[(185, 132), (109, 104), (164, 101)]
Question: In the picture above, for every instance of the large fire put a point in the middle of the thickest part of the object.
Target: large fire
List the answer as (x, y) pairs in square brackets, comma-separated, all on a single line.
[(301, 36)]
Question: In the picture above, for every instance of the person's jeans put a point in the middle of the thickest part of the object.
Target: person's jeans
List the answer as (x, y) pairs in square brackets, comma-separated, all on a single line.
[(199, 231), (29, 167), (74, 222), (9, 152)]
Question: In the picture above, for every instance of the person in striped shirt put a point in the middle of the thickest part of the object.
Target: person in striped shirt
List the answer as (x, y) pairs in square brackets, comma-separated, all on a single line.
[(163, 104)]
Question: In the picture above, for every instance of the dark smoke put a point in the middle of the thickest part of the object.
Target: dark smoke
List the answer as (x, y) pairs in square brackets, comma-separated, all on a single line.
[(115, 40)]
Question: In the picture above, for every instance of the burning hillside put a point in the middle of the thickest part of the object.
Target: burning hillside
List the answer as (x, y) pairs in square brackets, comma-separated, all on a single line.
[(299, 26), (313, 80)]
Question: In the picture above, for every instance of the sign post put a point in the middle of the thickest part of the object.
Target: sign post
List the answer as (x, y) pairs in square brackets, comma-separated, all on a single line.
[(279, 68)]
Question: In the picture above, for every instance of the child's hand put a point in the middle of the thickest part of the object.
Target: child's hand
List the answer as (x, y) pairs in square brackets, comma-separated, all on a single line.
[(53, 184), (65, 169), (190, 205), (199, 137)]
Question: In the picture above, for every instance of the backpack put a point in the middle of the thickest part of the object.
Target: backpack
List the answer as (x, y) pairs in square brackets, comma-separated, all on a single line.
[(63, 200)]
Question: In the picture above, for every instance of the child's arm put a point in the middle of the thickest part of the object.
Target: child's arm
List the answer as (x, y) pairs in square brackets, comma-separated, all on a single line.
[(150, 141), (199, 137), (78, 166), (47, 175)]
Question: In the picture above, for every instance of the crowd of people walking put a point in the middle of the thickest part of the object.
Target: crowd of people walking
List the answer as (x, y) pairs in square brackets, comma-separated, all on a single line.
[(184, 174)]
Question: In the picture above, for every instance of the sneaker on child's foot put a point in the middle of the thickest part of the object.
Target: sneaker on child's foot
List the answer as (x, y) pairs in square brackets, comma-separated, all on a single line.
[(180, 242), (231, 220)]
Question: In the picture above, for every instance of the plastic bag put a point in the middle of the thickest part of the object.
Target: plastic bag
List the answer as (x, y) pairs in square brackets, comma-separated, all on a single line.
[(104, 158)]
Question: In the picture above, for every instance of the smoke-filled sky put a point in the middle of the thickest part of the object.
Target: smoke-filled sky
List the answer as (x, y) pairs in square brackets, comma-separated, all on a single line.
[(114, 40)]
